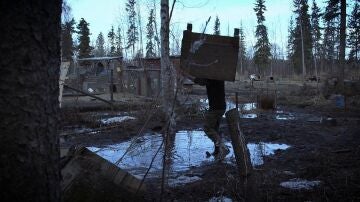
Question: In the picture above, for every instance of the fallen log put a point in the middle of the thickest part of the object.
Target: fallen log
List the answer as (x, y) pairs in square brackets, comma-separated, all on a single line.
[(90, 95)]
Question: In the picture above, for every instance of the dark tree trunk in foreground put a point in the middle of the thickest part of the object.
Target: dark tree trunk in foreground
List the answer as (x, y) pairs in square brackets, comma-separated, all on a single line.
[(29, 73)]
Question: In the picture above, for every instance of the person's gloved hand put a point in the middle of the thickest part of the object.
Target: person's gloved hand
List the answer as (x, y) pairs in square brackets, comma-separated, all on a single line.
[(200, 81)]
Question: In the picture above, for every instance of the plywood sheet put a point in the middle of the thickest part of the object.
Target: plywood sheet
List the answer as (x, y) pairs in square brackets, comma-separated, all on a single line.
[(209, 56)]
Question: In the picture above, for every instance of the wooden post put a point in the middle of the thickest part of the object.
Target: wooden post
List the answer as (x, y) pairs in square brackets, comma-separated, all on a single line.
[(238, 142), (189, 27), (237, 100), (111, 85), (236, 32), (111, 81)]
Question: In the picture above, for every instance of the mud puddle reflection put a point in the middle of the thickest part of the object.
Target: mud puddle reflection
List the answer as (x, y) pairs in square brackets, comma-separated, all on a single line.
[(281, 115), (244, 108), (189, 151)]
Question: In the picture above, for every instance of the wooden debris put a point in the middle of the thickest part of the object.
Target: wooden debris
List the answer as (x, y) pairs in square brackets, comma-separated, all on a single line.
[(238, 142)]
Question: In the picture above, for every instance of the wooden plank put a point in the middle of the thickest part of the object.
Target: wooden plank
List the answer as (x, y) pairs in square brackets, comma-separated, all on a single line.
[(216, 58), (238, 142), (88, 94)]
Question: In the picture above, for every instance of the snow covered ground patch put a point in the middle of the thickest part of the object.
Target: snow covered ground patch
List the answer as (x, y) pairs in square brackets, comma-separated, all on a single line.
[(298, 184), (117, 119)]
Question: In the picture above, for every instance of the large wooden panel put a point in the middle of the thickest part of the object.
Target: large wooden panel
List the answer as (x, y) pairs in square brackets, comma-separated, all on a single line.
[(216, 58)]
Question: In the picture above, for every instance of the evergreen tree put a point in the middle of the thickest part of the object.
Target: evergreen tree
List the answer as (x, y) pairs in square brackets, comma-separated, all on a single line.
[(67, 44), (316, 34), (334, 37), (217, 26), (316, 30), (262, 46), (290, 42), (242, 49), (132, 32), (342, 37), (150, 35), (83, 39), (331, 33), (302, 57), (118, 42), (111, 38), (354, 33), (99, 47)]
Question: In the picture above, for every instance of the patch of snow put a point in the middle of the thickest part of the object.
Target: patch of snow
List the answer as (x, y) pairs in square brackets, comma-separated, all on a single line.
[(288, 116), (116, 119), (298, 184), (249, 106), (248, 116), (182, 180), (220, 199)]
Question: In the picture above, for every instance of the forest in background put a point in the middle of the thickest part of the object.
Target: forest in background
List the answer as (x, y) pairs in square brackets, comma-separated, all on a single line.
[(320, 40)]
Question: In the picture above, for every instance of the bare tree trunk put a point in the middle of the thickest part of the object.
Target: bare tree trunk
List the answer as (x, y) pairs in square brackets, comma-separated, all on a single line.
[(167, 71), (302, 53), (315, 65), (342, 39), (140, 29), (156, 30), (168, 80), (29, 88)]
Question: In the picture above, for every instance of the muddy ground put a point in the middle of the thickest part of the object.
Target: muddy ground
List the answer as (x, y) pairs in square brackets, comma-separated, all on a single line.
[(323, 143)]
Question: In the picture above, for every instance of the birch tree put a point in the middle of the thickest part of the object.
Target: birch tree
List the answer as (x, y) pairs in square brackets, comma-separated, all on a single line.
[(167, 71), (168, 79)]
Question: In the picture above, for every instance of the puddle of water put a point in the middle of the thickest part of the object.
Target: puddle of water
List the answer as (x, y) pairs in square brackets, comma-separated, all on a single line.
[(259, 150), (182, 180), (242, 107), (248, 116), (249, 106), (117, 119), (298, 184), (221, 198), (204, 105), (281, 115), (189, 151)]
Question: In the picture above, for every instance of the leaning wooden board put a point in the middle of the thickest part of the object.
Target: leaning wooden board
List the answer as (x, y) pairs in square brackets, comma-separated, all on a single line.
[(216, 58)]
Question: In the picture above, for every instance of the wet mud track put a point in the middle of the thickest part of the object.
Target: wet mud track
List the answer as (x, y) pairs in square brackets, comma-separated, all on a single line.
[(297, 153)]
